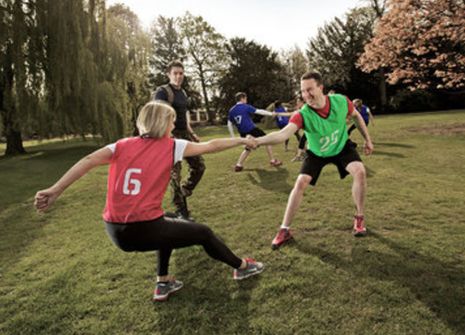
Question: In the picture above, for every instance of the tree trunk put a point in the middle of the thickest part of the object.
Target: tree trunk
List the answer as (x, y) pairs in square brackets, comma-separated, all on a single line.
[(211, 114), (382, 90), (14, 143)]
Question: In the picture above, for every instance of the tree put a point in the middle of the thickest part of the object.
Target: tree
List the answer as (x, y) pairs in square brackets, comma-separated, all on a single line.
[(255, 70), (379, 7), (167, 45), (205, 48), (296, 65), (421, 43), (336, 49), (14, 90), (61, 73), (129, 49)]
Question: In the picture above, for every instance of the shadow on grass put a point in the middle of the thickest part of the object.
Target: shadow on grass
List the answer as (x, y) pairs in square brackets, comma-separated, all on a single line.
[(370, 172), (17, 231), (206, 303), (394, 145), (389, 154), (436, 284), (21, 177), (391, 145), (271, 180), (73, 153)]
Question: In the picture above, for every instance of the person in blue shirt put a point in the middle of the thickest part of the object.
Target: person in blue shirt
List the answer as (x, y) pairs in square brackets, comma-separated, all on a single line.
[(300, 155), (364, 112), (282, 121), (240, 115)]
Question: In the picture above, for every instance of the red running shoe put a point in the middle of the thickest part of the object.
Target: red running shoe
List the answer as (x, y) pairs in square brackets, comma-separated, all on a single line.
[(275, 162), (281, 237), (359, 226)]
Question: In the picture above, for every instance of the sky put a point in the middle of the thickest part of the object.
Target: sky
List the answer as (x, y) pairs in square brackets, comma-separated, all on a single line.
[(279, 24)]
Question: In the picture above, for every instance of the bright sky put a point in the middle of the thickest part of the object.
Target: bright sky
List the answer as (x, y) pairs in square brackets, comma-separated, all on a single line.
[(280, 24)]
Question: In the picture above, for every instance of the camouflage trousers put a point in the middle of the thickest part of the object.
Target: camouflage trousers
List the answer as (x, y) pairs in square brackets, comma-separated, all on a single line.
[(181, 190)]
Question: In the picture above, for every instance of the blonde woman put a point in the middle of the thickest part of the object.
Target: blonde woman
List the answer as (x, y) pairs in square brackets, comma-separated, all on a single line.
[(138, 176)]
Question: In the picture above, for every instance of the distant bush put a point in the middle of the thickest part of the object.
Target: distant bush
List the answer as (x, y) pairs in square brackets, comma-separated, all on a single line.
[(413, 101)]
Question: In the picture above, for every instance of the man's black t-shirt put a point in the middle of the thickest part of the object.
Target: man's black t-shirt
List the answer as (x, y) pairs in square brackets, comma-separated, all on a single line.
[(179, 105)]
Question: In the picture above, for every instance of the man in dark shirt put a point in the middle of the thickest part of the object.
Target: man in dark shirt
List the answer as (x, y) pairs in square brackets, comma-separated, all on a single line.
[(174, 95)]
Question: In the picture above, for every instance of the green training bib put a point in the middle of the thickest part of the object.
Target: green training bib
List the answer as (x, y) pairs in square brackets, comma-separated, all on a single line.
[(327, 137)]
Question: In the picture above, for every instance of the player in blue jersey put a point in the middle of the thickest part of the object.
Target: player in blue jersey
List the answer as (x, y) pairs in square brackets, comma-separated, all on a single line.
[(300, 155), (364, 112), (282, 120), (240, 115)]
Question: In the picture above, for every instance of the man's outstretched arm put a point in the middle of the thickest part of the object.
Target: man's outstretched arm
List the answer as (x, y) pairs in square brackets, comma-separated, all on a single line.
[(278, 136)]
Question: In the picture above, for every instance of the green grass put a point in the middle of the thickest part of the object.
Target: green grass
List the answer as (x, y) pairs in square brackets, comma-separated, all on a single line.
[(60, 274)]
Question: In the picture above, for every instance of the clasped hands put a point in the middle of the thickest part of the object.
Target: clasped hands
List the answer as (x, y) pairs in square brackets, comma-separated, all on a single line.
[(251, 142)]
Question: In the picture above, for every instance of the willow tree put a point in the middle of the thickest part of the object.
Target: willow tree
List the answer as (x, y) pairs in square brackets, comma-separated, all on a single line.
[(128, 54), (62, 73), (16, 95)]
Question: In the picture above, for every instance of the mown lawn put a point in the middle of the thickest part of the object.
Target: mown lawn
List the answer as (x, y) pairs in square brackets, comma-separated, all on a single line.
[(60, 274)]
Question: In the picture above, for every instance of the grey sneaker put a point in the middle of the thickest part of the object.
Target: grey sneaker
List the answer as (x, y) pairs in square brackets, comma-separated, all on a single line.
[(164, 289), (253, 268)]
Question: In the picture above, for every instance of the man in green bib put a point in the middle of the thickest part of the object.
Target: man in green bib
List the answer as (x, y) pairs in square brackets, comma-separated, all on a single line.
[(323, 119)]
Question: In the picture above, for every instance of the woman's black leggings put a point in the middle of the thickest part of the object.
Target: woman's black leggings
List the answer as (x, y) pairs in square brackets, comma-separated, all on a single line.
[(165, 234)]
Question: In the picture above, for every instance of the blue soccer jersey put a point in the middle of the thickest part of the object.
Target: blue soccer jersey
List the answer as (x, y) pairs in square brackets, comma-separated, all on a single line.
[(240, 116), (364, 113), (281, 121)]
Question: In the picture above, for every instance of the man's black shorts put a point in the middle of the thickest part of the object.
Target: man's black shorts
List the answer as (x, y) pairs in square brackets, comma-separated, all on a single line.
[(256, 132), (313, 164)]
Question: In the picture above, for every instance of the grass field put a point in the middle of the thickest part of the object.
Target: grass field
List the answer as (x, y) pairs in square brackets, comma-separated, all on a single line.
[(60, 274)]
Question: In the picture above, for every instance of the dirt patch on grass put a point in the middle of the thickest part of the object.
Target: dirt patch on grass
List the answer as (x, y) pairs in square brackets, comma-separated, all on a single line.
[(440, 129)]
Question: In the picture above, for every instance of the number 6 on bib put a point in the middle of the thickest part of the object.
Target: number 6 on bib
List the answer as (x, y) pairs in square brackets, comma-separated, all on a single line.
[(128, 180)]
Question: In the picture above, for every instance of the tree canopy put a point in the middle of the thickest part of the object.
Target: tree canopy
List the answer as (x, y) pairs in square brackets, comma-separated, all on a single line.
[(69, 67), (256, 70), (420, 43), (336, 48), (76, 67)]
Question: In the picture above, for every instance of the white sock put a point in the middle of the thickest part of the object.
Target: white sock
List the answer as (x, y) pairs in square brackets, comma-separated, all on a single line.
[(284, 227)]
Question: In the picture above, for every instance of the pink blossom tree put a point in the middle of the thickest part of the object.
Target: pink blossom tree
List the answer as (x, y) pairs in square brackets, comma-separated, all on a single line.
[(420, 43)]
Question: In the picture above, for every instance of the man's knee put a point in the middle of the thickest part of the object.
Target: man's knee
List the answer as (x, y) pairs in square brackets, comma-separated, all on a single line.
[(302, 182), (357, 170)]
